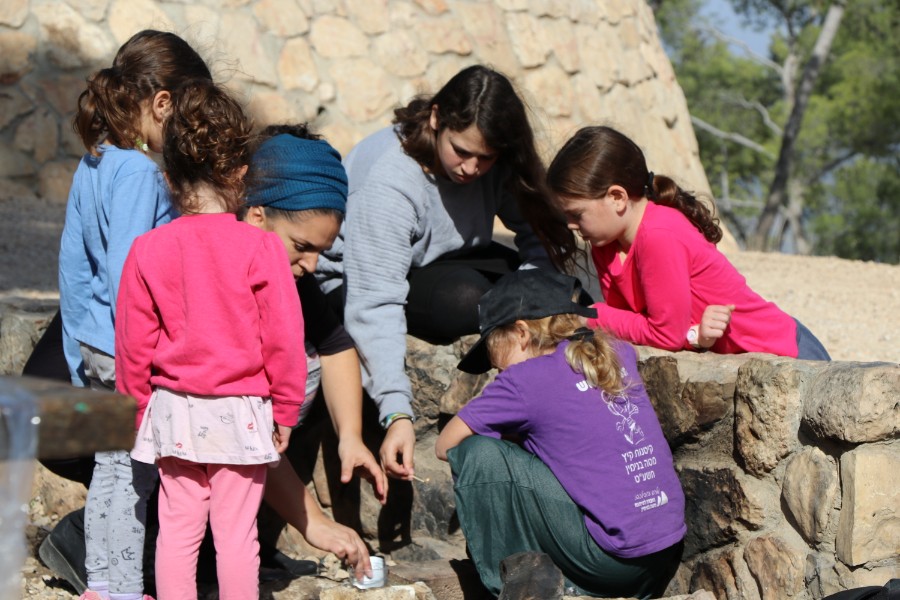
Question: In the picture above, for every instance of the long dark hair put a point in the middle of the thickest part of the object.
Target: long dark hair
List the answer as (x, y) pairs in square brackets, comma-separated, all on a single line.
[(596, 158), (483, 97), (150, 62), (206, 140)]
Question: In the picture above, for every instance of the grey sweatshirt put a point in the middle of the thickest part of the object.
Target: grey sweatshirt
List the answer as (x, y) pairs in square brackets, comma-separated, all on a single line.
[(399, 217)]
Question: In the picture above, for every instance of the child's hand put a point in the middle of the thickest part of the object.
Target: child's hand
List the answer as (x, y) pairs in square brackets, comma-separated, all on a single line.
[(713, 324), (281, 436)]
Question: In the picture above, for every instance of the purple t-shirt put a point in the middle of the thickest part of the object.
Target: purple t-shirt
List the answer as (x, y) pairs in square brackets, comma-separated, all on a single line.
[(609, 454)]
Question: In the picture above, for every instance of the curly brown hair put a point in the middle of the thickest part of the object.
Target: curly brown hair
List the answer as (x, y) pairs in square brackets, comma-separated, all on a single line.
[(598, 157), (206, 141), (150, 62), (486, 98)]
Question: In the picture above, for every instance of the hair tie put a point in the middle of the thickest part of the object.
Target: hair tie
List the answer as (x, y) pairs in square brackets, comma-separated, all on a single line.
[(648, 188), (581, 333)]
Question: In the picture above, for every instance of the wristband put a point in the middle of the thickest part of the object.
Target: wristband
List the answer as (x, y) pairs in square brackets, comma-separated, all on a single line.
[(693, 337), (397, 416)]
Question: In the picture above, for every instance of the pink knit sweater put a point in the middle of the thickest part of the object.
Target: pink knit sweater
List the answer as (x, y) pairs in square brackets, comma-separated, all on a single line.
[(208, 306), (669, 276)]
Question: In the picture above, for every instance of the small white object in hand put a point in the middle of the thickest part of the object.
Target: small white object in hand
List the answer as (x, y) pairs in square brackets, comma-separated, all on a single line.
[(379, 573)]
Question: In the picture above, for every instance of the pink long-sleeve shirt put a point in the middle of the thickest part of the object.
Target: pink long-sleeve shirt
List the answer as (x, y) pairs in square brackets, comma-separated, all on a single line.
[(207, 305), (669, 276)]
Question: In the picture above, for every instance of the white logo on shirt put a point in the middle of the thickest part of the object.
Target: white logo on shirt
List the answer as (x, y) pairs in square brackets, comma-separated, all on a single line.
[(627, 425), (582, 386)]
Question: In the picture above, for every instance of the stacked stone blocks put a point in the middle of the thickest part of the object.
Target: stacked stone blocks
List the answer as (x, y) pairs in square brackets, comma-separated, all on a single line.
[(344, 65)]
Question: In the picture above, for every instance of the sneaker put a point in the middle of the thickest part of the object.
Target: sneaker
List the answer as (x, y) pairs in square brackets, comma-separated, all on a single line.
[(276, 560), (63, 564)]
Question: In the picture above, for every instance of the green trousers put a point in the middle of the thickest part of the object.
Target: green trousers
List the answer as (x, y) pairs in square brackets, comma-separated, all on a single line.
[(508, 501)]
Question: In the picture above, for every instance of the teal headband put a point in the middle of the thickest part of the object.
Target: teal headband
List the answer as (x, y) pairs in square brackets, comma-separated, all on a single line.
[(291, 173)]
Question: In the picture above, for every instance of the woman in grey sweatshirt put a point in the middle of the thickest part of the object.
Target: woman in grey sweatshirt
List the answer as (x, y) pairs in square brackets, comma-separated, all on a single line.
[(416, 251)]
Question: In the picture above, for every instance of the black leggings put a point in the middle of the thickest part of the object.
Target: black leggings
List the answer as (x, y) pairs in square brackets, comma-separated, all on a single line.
[(48, 361), (442, 303)]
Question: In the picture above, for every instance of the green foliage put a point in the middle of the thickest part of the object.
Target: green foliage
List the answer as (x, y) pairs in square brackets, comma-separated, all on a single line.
[(863, 79), (861, 219), (850, 124)]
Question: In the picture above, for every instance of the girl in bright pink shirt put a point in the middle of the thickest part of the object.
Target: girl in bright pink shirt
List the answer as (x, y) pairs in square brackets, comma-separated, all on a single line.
[(654, 246), (207, 339)]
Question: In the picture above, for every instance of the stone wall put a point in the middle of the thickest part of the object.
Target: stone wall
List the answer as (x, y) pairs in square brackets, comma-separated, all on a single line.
[(790, 468), (345, 64)]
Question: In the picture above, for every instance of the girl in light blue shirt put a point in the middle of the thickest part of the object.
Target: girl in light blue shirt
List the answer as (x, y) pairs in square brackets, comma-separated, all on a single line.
[(117, 194)]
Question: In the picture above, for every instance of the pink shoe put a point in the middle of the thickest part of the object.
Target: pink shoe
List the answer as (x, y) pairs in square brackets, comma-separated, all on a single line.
[(90, 595)]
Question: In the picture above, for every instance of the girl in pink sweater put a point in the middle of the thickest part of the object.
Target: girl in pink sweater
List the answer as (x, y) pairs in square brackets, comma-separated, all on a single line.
[(654, 248), (207, 338)]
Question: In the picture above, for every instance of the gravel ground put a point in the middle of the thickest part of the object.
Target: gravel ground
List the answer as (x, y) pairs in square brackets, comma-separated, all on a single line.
[(852, 306)]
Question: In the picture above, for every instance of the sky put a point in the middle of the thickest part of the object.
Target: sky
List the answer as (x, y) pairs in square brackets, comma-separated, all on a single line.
[(720, 14)]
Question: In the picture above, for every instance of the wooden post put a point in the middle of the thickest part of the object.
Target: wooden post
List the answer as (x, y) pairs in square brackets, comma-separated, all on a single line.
[(75, 421)]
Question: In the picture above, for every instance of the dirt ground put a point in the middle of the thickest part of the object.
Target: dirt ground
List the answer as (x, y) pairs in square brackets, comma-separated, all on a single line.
[(852, 306)]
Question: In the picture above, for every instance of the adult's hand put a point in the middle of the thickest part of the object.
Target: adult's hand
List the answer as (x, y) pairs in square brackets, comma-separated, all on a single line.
[(397, 450), (356, 458), (327, 535), (286, 493)]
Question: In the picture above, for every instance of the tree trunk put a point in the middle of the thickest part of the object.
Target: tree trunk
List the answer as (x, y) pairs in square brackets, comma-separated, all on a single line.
[(793, 220), (778, 193)]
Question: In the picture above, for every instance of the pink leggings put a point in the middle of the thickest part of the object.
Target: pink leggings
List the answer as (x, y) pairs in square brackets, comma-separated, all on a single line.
[(229, 495)]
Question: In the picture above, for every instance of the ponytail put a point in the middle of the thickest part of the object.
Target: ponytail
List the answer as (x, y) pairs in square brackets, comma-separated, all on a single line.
[(592, 355), (107, 109), (667, 193), (150, 62), (596, 158), (589, 352), (206, 141)]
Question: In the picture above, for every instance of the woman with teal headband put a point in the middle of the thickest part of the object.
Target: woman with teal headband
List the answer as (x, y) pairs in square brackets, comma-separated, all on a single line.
[(298, 190)]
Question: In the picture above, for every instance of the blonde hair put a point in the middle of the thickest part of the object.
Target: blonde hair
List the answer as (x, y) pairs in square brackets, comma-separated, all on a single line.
[(591, 355)]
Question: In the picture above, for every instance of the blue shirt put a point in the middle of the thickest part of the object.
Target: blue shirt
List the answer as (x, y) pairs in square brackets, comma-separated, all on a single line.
[(114, 198)]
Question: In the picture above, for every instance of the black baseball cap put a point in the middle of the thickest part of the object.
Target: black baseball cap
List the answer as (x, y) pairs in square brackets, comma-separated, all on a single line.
[(524, 294)]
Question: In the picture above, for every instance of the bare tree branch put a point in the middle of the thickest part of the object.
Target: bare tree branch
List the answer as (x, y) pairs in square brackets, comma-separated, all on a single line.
[(734, 137), (734, 225), (756, 204), (754, 105), (752, 54), (830, 166)]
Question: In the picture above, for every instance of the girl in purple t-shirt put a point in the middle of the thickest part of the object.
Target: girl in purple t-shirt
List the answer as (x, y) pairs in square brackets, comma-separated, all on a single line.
[(593, 484)]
